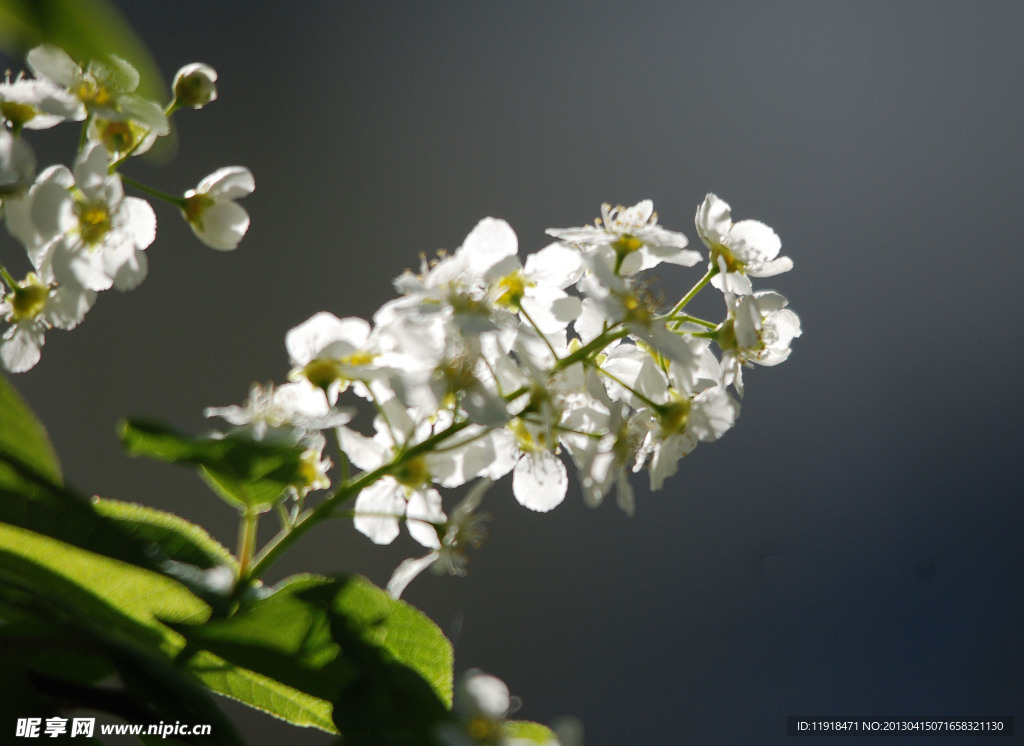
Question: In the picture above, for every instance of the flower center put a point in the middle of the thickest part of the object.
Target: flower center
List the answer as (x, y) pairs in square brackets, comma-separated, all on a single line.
[(117, 137), (93, 221), (732, 264), (414, 474), (18, 114), (92, 93), (511, 289), (626, 244), (29, 299), (674, 415), (322, 373), (195, 206)]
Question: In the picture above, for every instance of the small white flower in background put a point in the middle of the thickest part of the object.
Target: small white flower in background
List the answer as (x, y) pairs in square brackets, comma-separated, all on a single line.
[(106, 90), (748, 247), (194, 86), (464, 529), (634, 234), (760, 329), (289, 412), (216, 219), (36, 105), (456, 286), (482, 705)]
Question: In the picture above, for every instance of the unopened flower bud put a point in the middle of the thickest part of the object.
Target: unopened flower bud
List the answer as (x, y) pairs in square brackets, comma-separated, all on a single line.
[(195, 85)]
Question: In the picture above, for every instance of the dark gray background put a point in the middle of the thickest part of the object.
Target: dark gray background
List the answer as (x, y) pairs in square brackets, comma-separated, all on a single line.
[(852, 548)]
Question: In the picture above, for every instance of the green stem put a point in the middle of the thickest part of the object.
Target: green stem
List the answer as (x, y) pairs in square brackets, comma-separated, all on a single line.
[(345, 492), (6, 276), (539, 332), (712, 271), (685, 317), (594, 345), (83, 135), (178, 202), (246, 544), (630, 389)]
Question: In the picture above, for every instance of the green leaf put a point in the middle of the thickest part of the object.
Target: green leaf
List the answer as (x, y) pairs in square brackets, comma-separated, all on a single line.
[(22, 437), (244, 472), (528, 731), (178, 548), (384, 666), (100, 614), (178, 539), (33, 502)]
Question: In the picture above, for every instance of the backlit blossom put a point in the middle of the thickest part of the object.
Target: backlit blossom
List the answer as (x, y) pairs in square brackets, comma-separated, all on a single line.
[(738, 250), (103, 89), (212, 212), (635, 237), (760, 329)]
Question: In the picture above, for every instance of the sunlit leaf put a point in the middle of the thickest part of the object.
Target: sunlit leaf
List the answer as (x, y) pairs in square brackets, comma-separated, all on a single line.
[(384, 666), (244, 472), (22, 436)]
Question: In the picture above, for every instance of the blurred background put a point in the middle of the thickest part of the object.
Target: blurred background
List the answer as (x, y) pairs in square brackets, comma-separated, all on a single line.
[(852, 549)]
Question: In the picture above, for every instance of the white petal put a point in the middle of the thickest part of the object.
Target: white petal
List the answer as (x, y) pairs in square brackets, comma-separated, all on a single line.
[(223, 226), (84, 268), (555, 264), (713, 220), (366, 453), (424, 510), (378, 509), (550, 309), (53, 63), (308, 340), (19, 350), (753, 241), (666, 457), (130, 271), (407, 571), (141, 221), (487, 244), (231, 182), (539, 481), (772, 268)]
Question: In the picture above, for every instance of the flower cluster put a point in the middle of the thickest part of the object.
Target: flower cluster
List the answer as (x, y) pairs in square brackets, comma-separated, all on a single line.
[(80, 231), (486, 365)]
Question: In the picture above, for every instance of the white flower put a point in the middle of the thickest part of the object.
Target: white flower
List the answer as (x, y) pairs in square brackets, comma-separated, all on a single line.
[(210, 209), (634, 235), (330, 352), (289, 412), (678, 425), (748, 247), (36, 104), (482, 703), (612, 300), (102, 233), (195, 85), (760, 329), (463, 529), (33, 306), (106, 90), (381, 506), (456, 287)]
